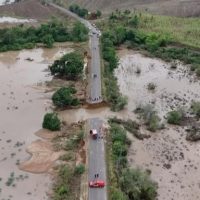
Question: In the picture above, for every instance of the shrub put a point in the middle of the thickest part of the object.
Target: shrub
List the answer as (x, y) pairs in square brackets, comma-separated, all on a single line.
[(79, 169), (62, 186), (48, 40), (175, 117), (196, 108), (137, 185), (151, 86), (51, 122), (117, 194), (150, 117), (64, 97)]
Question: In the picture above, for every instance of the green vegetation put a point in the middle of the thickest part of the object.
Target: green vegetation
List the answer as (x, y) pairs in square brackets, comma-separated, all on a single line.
[(51, 122), (21, 37), (79, 169), (84, 13), (131, 126), (112, 92), (175, 117), (67, 180), (73, 142), (137, 185), (64, 97), (125, 183), (81, 12), (69, 66), (151, 86), (196, 108), (62, 186), (126, 28), (181, 30), (150, 117)]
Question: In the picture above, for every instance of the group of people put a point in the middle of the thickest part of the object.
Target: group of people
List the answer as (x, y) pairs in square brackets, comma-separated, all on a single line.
[(95, 99), (96, 176)]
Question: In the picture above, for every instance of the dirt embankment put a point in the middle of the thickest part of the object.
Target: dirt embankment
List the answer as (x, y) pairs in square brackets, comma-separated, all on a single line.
[(43, 155), (33, 9), (171, 7)]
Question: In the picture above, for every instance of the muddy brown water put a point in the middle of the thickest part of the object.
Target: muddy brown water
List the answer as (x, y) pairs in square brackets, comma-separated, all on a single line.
[(173, 161), (23, 104), (22, 91)]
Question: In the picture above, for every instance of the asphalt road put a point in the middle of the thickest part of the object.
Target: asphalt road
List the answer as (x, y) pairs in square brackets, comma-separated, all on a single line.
[(96, 156), (96, 162), (94, 95)]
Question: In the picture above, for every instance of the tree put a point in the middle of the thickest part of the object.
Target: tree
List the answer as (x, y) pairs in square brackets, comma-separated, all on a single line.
[(83, 12), (70, 66), (74, 8), (79, 32), (51, 122), (64, 97)]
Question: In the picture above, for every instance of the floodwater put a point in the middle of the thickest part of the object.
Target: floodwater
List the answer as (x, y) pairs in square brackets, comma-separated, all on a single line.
[(3, 2), (173, 161), (23, 104), (15, 20)]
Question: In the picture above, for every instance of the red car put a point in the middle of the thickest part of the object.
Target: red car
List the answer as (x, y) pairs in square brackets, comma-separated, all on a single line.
[(97, 184)]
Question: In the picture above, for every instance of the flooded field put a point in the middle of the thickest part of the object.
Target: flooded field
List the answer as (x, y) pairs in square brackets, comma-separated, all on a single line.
[(172, 161), (23, 104)]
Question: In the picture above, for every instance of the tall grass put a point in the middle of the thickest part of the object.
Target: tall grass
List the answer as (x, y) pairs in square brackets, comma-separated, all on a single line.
[(182, 30)]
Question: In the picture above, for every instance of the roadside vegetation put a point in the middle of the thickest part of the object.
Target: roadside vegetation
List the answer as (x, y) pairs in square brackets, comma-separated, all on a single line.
[(22, 37), (126, 29), (64, 97), (68, 173), (69, 66), (125, 183), (113, 95), (51, 122), (84, 13), (131, 126)]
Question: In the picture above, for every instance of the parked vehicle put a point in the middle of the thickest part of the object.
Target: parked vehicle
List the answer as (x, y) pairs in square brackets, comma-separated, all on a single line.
[(94, 134), (97, 184)]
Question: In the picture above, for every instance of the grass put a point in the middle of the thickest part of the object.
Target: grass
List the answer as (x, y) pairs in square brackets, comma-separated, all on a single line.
[(182, 30)]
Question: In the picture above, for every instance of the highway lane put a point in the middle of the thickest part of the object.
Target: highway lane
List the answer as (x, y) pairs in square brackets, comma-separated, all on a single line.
[(96, 147), (97, 162), (95, 95)]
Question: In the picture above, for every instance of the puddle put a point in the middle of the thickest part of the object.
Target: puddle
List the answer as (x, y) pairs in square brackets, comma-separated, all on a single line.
[(173, 161), (15, 20), (23, 104)]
